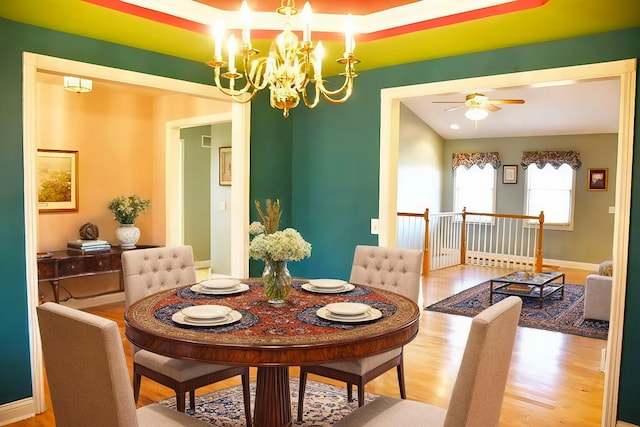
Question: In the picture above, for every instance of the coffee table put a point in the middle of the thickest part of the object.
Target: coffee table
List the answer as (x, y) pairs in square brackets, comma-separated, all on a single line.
[(535, 285)]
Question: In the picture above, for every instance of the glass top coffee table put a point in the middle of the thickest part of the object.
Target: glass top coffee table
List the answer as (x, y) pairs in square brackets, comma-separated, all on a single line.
[(534, 285)]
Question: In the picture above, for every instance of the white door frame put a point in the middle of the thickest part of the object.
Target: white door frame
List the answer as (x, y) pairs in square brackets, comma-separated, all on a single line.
[(239, 209), (240, 116), (625, 70)]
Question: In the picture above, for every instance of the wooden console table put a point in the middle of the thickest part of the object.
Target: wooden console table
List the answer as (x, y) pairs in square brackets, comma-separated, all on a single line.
[(67, 264)]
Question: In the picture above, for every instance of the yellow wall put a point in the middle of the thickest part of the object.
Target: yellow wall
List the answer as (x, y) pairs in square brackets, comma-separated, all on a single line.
[(112, 133), (120, 139)]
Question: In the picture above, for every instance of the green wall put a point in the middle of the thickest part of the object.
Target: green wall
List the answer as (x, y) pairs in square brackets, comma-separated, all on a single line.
[(336, 166), (591, 239), (270, 166), (197, 191), (220, 219), (322, 164)]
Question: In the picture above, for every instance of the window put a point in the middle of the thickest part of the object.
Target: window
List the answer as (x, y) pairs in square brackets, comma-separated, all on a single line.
[(475, 189), (551, 191)]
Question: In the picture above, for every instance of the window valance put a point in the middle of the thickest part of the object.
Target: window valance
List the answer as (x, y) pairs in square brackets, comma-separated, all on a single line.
[(479, 159), (554, 158)]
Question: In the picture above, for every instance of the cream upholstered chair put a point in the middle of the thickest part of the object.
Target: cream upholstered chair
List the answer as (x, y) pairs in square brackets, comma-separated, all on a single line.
[(392, 269), (88, 376), (147, 271), (478, 392)]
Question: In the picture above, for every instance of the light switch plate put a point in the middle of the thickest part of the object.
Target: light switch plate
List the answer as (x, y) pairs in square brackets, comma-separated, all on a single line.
[(374, 225)]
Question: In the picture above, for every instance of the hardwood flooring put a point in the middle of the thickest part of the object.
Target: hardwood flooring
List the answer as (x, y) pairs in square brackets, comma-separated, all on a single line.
[(554, 378)]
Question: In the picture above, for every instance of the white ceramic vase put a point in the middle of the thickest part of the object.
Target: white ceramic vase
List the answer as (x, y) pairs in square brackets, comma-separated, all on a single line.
[(128, 235)]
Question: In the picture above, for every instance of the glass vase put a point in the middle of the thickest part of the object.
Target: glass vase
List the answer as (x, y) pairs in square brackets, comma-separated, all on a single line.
[(277, 282)]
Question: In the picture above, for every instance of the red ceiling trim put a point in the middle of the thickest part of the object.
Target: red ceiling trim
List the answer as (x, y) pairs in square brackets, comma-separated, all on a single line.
[(164, 18)]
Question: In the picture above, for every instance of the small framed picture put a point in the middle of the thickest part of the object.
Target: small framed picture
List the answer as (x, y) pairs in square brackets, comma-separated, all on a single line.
[(510, 174), (598, 180), (57, 180), (225, 165)]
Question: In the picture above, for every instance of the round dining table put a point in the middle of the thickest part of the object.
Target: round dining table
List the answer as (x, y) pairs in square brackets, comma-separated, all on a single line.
[(272, 338)]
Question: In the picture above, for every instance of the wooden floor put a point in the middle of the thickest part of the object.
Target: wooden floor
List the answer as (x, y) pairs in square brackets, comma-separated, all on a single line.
[(554, 378)]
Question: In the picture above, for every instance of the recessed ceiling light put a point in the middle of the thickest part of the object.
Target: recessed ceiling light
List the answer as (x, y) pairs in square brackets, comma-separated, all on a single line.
[(454, 126)]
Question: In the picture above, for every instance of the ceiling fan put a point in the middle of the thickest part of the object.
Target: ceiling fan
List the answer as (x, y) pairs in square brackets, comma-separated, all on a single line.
[(479, 105)]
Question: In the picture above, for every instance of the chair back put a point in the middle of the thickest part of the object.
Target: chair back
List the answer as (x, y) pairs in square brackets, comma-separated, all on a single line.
[(476, 400), (86, 368), (147, 271), (392, 269)]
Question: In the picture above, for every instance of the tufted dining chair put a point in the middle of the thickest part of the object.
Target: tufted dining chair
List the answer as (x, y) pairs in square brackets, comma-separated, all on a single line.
[(88, 376), (476, 400), (147, 271), (391, 269)]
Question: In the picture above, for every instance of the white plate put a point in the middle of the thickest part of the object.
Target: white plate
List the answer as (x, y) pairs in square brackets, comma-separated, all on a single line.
[(233, 316), (346, 288), (206, 312), (372, 314), (347, 308), (234, 290), (219, 284), (327, 283)]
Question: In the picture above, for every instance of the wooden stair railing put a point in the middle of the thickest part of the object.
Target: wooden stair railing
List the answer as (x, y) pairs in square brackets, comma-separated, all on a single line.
[(416, 241)]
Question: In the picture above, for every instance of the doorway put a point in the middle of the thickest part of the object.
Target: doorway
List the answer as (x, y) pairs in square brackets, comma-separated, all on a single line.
[(624, 70), (239, 115)]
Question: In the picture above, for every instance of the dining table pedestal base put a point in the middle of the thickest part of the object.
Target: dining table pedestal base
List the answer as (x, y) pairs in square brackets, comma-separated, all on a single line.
[(273, 401)]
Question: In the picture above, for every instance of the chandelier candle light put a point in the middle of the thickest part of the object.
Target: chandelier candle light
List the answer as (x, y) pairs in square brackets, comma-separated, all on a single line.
[(288, 69)]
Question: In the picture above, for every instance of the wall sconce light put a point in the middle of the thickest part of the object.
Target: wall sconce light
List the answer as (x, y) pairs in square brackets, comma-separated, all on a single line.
[(77, 85)]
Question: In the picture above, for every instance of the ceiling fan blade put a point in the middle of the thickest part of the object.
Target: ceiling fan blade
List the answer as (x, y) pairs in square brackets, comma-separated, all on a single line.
[(447, 102), (455, 108), (491, 107), (506, 101)]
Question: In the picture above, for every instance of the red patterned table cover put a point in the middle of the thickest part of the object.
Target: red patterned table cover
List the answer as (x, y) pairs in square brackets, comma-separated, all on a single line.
[(262, 325)]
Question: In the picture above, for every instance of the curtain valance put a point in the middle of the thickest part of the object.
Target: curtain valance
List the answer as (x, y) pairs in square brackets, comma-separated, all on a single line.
[(554, 158), (479, 159)]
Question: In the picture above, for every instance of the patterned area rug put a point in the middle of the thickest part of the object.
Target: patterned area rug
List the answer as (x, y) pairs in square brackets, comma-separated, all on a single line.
[(557, 314), (324, 404)]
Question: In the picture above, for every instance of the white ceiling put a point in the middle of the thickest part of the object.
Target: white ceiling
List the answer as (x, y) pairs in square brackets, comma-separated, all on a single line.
[(583, 107)]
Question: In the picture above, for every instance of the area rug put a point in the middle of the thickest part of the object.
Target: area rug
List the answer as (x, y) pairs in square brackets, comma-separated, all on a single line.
[(557, 314), (324, 404)]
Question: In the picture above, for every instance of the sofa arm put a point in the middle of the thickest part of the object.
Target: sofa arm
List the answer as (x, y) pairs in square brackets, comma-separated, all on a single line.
[(597, 298)]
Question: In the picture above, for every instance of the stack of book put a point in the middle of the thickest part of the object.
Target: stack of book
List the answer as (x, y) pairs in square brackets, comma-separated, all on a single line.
[(519, 287), (88, 245)]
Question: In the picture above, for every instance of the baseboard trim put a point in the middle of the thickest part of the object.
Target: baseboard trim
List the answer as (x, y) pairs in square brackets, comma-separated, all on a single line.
[(624, 424), (94, 301), (18, 410), (202, 264), (570, 264)]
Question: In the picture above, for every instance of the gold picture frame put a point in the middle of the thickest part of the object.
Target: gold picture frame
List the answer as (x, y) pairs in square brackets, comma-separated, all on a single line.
[(224, 155), (598, 179), (57, 180)]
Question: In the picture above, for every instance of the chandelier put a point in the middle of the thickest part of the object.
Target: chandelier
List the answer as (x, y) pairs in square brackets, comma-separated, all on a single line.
[(288, 71)]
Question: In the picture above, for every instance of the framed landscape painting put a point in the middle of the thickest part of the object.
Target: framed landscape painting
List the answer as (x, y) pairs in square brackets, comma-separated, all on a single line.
[(597, 179), (57, 180)]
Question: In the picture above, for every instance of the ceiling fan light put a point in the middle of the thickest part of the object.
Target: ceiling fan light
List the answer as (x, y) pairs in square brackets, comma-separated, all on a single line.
[(476, 113)]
